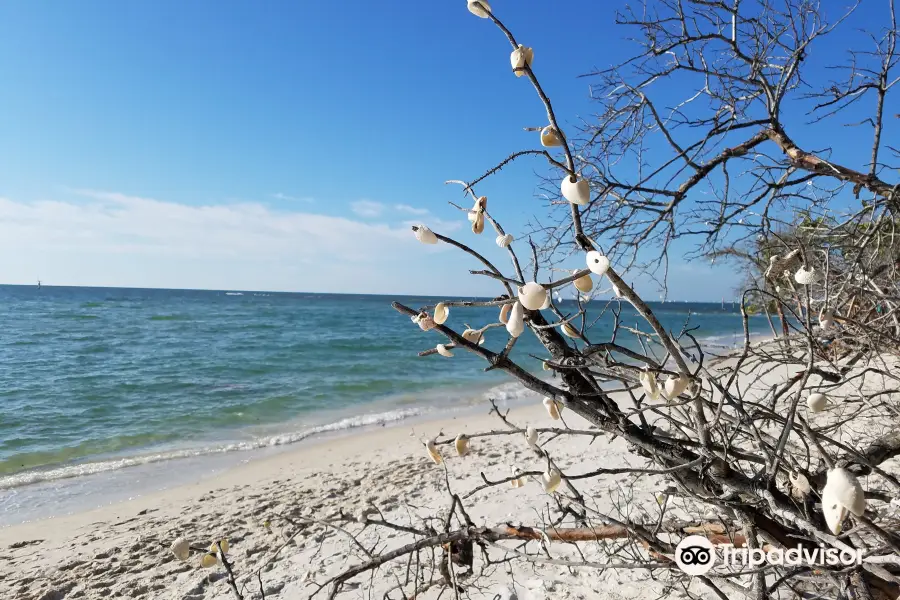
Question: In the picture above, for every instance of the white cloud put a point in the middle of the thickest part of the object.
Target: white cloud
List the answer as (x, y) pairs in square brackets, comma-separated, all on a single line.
[(410, 209), (367, 208), (280, 196)]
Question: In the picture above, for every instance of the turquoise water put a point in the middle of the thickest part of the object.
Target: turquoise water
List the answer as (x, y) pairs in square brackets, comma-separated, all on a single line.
[(101, 379)]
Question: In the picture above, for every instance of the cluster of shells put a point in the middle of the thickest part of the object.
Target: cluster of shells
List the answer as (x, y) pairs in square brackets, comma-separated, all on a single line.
[(182, 550)]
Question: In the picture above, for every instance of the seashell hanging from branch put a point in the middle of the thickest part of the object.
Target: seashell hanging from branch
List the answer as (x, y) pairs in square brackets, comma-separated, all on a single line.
[(208, 561), (519, 58), (433, 452), (474, 336), (569, 330), (441, 312), (816, 402), (443, 350), (505, 240), (181, 548), (478, 223), (426, 323), (531, 436), (462, 444), (575, 190), (842, 493), (675, 386), (554, 408), (504, 313), (648, 382), (799, 481), (479, 8), (597, 263), (425, 235), (518, 481), (550, 137), (806, 276), (584, 283), (515, 324), (551, 480), (532, 295), (220, 546)]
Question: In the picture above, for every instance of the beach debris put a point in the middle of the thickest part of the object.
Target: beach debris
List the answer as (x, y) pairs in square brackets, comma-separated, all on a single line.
[(575, 190), (443, 350), (207, 561), (518, 481), (806, 276), (475, 336), (826, 319), (505, 240), (181, 548), (675, 386), (462, 444), (532, 295), (569, 330), (441, 313), (597, 263), (504, 313), (515, 324), (816, 402), (520, 58), (551, 480), (425, 235), (648, 382), (584, 283), (433, 452), (550, 137), (842, 493), (531, 436), (479, 8), (554, 408)]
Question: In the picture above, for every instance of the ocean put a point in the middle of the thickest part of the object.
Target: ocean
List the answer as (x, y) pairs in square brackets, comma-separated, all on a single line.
[(102, 390)]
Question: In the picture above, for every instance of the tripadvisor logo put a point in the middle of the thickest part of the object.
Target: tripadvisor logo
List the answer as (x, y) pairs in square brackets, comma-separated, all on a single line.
[(696, 555)]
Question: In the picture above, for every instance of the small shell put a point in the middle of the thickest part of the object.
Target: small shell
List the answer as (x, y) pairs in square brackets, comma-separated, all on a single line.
[(597, 263), (181, 548), (532, 295), (209, 560), (520, 57), (425, 235), (675, 386), (584, 283), (504, 313), (515, 325), (805, 276), (473, 335), (443, 350), (462, 444), (554, 408), (441, 312), (479, 8), (576, 192), (551, 480), (518, 482), (531, 436), (842, 486), (504, 240), (648, 382), (569, 330), (433, 452), (220, 546), (480, 204), (546, 366), (478, 224), (550, 137), (426, 323), (826, 319), (799, 481), (816, 402)]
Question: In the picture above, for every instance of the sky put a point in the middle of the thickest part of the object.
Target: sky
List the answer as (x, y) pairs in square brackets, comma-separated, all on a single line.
[(283, 146)]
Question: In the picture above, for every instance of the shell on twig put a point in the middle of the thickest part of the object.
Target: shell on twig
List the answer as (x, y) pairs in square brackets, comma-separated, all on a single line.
[(551, 480), (479, 8), (220, 546), (531, 436), (478, 223), (462, 444), (569, 330), (443, 350), (816, 402), (597, 263), (584, 283), (207, 561), (576, 190), (504, 313), (800, 482), (550, 137), (546, 366), (441, 312), (515, 324), (505, 240), (842, 493), (518, 481), (532, 295), (648, 382), (425, 235), (181, 548), (675, 386), (475, 336), (826, 319), (433, 453), (806, 276), (519, 58), (554, 408), (426, 323)]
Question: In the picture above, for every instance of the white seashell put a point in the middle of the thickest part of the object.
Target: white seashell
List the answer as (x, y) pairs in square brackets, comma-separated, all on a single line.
[(584, 283), (532, 295), (551, 480), (505, 240), (843, 487), (433, 452), (462, 444), (569, 330), (518, 482), (799, 481), (826, 319), (425, 235), (675, 386), (181, 548), (597, 263), (209, 560), (426, 323), (554, 408), (479, 11), (648, 382), (478, 224), (531, 436), (576, 192), (520, 57), (805, 276), (550, 137), (474, 336), (480, 204), (441, 312), (443, 350), (504, 313), (515, 325), (816, 402)]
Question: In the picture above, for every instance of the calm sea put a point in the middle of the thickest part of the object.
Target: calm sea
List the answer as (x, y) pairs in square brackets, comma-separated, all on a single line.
[(104, 380)]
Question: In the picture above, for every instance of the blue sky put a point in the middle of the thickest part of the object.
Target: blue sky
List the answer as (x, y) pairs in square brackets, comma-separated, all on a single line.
[(278, 145)]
